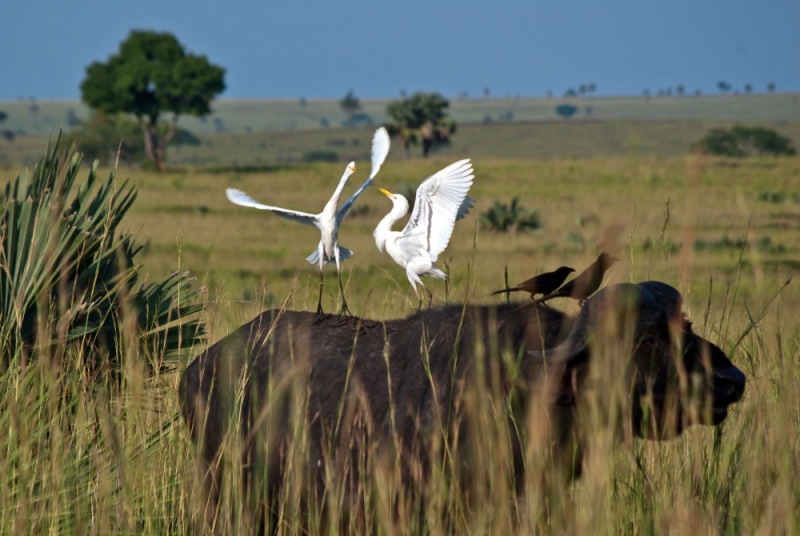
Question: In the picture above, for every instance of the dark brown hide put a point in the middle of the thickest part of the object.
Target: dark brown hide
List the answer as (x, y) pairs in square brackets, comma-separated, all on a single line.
[(357, 382)]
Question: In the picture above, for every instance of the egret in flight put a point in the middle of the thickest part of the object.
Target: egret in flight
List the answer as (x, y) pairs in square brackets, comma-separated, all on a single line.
[(441, 200), (329, 220)]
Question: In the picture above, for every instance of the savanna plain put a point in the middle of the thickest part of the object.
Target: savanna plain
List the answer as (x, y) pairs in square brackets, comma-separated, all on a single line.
[(722, 231)]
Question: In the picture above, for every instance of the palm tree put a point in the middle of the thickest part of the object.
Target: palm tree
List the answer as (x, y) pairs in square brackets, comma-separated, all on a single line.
[(421, 119), (68, 278)]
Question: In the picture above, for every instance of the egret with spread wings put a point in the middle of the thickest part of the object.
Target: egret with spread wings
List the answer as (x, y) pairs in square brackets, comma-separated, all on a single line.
[(441, 200), (329, 220)]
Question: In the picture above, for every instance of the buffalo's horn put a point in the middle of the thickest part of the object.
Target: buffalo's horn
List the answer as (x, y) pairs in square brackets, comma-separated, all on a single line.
[(668, 296), (619, 299)]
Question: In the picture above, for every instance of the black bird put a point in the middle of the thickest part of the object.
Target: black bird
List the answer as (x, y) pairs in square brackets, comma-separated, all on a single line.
[(541, 284), (586, 283)]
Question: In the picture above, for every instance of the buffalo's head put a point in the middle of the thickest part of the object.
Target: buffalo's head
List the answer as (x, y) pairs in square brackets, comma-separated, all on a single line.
[(668, 376)]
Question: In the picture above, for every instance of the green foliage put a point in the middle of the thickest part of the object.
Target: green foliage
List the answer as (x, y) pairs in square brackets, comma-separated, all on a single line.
[(185, 137), (150, 75), (771, 196), (421, 119), (566, 110), (108, 139), (117, 139), (350, 103), (68, 278), (741, 141), (511, 217), (762, 245)]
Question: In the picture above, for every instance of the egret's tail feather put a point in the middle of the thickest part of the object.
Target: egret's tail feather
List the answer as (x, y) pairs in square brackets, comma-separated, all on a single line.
[(437, 273), (344, 253), (313, 258)]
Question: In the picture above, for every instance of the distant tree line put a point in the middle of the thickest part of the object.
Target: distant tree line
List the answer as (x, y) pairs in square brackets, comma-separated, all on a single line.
[(152, 76)]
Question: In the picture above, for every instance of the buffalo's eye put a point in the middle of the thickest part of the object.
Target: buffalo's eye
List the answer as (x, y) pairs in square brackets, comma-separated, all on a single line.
[(649, 340)]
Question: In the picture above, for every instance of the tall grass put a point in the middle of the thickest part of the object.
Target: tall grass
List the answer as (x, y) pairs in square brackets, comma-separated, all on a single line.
[(708, 481), (79, 455)]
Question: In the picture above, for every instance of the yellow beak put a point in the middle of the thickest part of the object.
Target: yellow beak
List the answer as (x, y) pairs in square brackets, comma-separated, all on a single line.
[(387, 193)]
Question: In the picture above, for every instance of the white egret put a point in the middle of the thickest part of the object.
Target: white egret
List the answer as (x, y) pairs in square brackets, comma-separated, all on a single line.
[(441, 200), (329, 220)]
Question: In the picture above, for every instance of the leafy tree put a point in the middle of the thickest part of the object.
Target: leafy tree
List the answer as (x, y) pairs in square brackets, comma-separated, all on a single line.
[(566, 110), (69, 281), (723, 86), (7, 135), (151, 75), (350, 103), (421, 118), (740, 141)]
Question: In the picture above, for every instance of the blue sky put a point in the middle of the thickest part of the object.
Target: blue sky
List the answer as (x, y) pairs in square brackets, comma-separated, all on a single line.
[(322, 49)]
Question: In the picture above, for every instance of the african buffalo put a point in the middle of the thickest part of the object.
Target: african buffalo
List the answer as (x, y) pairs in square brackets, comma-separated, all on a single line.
[(360, 388)]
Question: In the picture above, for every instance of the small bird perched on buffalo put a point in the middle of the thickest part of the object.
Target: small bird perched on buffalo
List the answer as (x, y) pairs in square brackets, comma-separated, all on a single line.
[(541, 284), (586, 283)]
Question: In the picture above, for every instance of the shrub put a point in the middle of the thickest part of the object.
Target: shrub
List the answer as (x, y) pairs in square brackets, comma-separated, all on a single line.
[(320, 156), (117, 139), (566, 110), (770, 196), (510, 218), (740, 141), (68, 279), (110, 139)]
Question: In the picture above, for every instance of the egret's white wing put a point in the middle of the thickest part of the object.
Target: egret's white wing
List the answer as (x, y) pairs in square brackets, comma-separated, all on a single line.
[(380, 150), (238, 197), (439, 199)]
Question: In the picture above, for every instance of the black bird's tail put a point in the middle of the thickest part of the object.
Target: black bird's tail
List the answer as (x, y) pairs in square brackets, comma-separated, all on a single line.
[(506, 290)]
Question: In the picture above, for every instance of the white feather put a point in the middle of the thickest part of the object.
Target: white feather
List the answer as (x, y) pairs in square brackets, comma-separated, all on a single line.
[(441, 200), (380, 150), (238, 197)]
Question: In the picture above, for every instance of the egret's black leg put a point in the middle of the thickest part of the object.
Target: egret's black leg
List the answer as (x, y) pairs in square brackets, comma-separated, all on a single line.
[(319, 301), (344, 310)]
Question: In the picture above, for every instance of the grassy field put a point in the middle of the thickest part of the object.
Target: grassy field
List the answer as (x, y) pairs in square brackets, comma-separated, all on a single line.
[(512, 140), (717, 211), (724, 232), (267, 132), (43, 117)]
